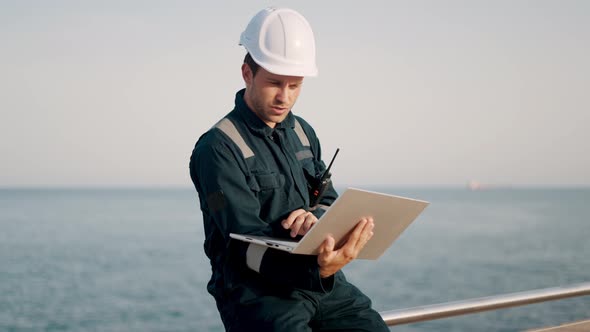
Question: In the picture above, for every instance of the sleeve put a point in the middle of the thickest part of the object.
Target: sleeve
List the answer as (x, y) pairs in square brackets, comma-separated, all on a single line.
[(234, 208)]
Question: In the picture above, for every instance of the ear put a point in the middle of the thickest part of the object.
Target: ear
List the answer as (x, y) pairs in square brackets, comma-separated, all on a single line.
[(247, 74)]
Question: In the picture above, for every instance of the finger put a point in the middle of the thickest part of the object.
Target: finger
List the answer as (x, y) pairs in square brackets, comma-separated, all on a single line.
[(361, 235), (355, 236), (310, 220), (367, 233), (291, 218), (296, 226)]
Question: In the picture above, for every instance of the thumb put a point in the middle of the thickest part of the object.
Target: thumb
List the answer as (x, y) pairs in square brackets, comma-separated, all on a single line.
[(329, 243), (326, 250)]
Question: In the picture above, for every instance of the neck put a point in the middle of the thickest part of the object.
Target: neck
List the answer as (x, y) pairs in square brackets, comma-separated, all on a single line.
[(248, 102)]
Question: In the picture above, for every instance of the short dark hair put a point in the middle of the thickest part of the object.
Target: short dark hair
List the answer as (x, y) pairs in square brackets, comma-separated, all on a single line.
[(251, 63)]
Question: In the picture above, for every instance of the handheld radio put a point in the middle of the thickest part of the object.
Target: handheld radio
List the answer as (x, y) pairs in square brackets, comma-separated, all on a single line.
[(318, 186)]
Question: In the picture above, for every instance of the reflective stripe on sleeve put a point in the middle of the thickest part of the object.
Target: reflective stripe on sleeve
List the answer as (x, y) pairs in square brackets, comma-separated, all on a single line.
[(304, 154), (301, 134), (319, 206), (230, 130), (254, 256)]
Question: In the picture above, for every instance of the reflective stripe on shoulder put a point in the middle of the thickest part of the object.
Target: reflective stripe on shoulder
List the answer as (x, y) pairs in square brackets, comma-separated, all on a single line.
[(231, 131), (300, 133), (228, 128)]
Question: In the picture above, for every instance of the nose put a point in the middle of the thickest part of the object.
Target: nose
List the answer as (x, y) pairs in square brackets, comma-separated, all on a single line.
[(283, 94)]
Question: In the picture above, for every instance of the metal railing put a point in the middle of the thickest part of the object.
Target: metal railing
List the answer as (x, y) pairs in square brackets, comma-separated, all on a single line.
[(442, 310)]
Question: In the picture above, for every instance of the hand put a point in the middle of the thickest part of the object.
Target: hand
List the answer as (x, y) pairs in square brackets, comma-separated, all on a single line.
[(299, 222), (330, 260)]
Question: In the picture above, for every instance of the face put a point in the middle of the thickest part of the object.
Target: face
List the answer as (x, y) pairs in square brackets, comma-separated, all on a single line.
[(270, 96)]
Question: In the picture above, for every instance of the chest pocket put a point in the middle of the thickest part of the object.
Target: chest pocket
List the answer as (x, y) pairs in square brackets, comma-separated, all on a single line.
[(266, 181)]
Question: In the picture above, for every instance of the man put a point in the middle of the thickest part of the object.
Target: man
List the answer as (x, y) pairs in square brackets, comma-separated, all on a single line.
[(251, 171)]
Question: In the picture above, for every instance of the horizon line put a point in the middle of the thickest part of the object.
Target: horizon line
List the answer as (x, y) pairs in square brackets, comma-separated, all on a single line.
[(342, 186)]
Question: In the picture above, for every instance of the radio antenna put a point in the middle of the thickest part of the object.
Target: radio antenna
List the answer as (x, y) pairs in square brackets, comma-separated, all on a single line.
[(327, 172)]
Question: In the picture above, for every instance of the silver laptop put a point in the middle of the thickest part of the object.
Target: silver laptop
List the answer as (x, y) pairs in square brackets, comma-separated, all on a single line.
[(391, 215)]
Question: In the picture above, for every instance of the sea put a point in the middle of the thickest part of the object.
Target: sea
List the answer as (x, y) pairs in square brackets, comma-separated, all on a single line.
[(132, 259)]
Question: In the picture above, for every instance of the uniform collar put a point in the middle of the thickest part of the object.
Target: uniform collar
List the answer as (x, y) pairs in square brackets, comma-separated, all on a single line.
[(254, 122)]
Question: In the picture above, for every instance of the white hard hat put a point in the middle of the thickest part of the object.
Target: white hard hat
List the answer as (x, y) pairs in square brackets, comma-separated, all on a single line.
[(281, 41)]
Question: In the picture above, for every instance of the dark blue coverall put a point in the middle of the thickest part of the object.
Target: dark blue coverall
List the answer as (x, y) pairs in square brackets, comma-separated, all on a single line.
[(248, 182)]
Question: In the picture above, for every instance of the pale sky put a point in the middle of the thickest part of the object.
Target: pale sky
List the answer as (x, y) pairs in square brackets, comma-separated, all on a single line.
[(414, 93)]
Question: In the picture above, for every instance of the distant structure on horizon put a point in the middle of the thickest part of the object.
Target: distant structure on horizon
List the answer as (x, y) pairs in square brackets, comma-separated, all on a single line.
[(475, 185)]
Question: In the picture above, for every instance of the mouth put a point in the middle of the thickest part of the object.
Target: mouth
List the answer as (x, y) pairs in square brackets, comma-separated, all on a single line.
[(279, 109)]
